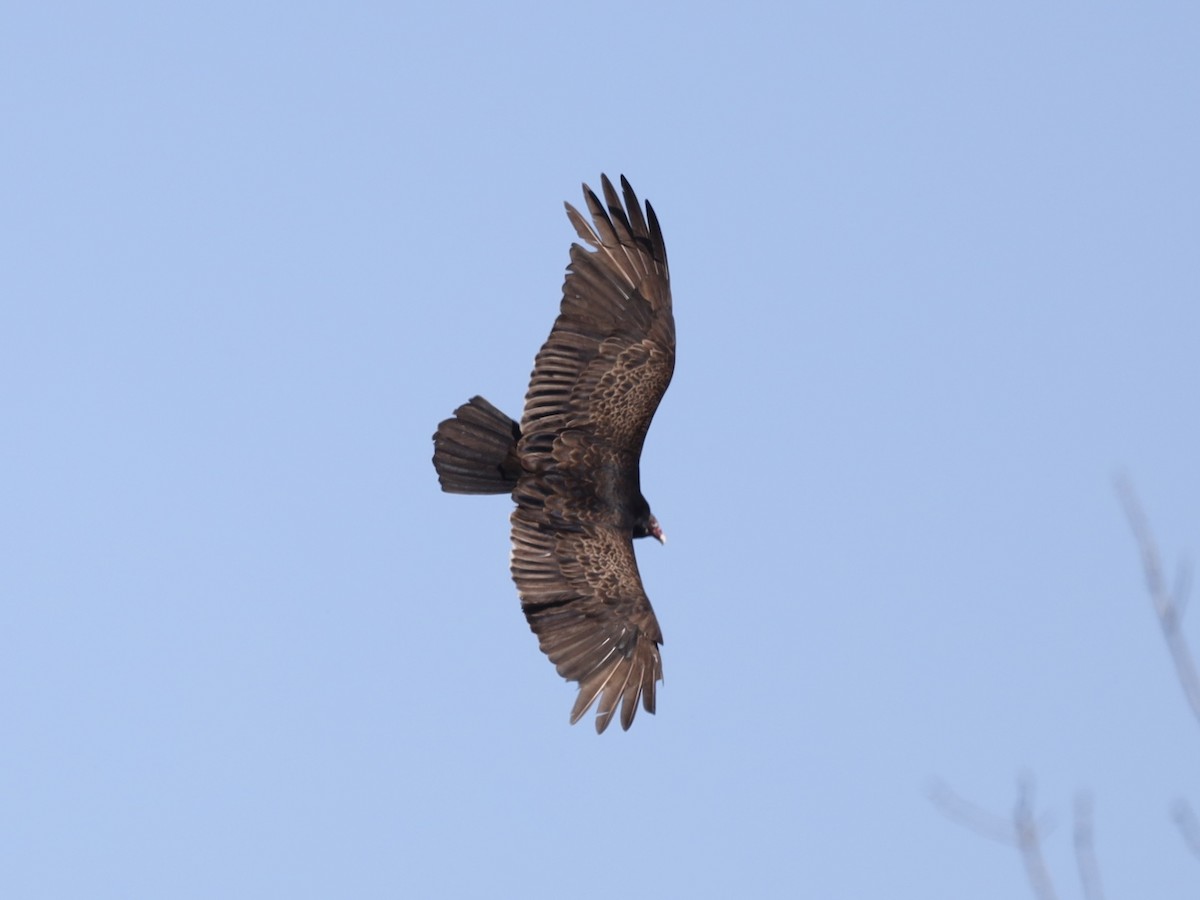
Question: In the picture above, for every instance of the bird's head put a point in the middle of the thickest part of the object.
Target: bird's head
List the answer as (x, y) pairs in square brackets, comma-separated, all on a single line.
[(649, 527)]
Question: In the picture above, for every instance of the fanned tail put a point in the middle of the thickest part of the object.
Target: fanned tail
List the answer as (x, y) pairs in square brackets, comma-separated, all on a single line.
[(475, 451)]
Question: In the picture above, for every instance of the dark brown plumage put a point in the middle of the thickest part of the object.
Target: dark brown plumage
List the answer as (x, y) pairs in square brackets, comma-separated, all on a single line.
[(572, 463)]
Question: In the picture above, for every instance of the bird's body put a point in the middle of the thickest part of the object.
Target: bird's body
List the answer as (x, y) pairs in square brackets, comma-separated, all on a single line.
[(572, 464)]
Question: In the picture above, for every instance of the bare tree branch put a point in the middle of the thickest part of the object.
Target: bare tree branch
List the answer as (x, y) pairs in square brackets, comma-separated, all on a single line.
[(955, 808), (1029, 840), (1185, 819), (1168, 606), (1085, 849), (1023, 831), (1183, 587)]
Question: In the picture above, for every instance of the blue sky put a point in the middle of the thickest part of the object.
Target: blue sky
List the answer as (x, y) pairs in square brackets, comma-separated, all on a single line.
[(936, 280)]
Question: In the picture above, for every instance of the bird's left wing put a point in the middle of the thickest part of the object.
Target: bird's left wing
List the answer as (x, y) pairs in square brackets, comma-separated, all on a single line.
[(583, 596)]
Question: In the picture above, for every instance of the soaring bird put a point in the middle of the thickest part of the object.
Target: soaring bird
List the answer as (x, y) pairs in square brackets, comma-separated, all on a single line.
[(572, 464)]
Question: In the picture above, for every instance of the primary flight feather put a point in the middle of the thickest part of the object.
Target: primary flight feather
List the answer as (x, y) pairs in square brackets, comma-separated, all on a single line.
[(572, 464)]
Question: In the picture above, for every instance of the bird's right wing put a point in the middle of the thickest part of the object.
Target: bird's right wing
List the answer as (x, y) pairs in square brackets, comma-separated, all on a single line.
[(610, 356)]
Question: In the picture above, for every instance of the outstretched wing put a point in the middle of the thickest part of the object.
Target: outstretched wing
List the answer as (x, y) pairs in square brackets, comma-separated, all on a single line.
[(582, 594), (611, 353), (596, 384)]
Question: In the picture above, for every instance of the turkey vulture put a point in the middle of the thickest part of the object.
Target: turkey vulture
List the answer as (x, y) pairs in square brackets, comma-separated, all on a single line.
[(571, 465)]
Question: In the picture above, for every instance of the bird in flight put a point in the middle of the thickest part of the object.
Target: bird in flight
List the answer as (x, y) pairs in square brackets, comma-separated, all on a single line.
[(572, 464)]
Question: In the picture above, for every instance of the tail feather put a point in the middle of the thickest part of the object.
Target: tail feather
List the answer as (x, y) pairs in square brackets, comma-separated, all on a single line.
[(475, 451)]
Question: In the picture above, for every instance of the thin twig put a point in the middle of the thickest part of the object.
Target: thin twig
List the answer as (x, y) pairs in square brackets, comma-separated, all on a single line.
[(1085, 849), (1183, 587), (1023, 831), (1189, 826), (1029, 841), (955, 808), (1168, 606)]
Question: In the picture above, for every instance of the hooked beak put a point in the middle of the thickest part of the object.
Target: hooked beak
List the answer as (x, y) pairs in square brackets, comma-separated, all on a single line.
[(656, 531)]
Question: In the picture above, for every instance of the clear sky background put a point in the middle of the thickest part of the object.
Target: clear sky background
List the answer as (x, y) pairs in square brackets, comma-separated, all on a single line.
[(937, 278)]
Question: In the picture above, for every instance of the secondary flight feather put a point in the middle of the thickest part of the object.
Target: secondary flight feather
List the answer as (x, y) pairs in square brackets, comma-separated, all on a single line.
[(572, 463)]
